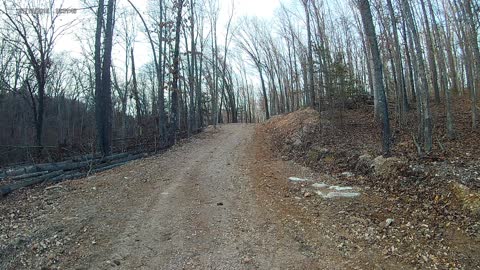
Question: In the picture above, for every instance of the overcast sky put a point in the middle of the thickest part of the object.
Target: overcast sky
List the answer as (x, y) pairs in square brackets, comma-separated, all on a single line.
[(261, 8)]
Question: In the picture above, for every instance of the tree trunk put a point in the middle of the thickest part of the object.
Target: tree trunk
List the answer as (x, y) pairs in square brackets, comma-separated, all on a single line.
[(191, 75), (136, 95), (162, 121), (443, 79), (311, 79), (176, 75), (369, 28), (199, 73), (431, 55), (264, 91), (426, 125), (40, 113), (473, 38), (451, 60), (99, 106), (410, 63), (398, 63)]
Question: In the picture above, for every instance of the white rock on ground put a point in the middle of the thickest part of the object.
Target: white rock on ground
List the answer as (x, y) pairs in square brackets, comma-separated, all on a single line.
[(331, 195), (339, 188), (319, 185), (297, 179)]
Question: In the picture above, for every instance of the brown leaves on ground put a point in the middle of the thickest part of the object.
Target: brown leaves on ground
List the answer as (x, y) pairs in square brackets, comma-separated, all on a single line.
[(432, 227)]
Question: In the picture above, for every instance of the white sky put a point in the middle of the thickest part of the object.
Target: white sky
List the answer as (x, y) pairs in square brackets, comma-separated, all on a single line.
[(260, 8)]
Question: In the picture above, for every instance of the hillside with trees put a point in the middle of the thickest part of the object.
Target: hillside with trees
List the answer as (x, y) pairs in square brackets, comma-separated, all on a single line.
[(406, 56), (379, 97)]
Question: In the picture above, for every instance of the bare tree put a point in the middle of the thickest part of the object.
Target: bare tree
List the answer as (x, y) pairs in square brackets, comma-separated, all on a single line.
[(311, 79), (247, 40), (38, 30), (369, 28), (103, 84), (426, 125), (176, 74)]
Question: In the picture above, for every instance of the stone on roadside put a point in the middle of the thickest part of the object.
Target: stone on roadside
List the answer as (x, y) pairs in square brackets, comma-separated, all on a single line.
[(319, 185), (297, 179), (347, 174), (389, 222), (339, 188), (342, 195)]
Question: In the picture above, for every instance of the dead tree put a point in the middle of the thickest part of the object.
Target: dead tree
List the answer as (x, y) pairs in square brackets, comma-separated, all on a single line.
[(103, 84)]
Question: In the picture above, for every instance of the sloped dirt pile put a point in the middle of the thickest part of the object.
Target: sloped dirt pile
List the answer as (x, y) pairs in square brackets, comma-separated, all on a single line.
[(292, 132), (329, 142)]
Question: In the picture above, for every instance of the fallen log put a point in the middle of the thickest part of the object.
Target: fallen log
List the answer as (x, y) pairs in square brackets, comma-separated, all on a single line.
[(105, 168), (69, 176), (29, 175), (132, 157), (31, 169), (53, 166), (67, 170), (116, 156), (19, 171), (85, 157), (5, 190), (72, 164), (77, 175)]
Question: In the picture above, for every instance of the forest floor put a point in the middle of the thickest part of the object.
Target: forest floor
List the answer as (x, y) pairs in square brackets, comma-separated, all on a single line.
[(220, 200)]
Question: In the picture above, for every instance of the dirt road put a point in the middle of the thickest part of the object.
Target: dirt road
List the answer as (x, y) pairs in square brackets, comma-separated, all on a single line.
[(206, 217), (192, 207), (220, 200)]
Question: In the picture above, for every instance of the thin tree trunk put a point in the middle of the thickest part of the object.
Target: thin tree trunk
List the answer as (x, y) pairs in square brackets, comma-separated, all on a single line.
[(176, 75), (473, 38), (398, 63), (423, 89), (431, 54), (159, 74), (191, 76), (264, 91), (99, 115), (451, 59), (443, 79), (311, 79), (136, 95), (369, 28)]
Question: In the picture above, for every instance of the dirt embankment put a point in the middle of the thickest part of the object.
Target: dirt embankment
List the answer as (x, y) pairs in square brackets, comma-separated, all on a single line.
[(418, 212)]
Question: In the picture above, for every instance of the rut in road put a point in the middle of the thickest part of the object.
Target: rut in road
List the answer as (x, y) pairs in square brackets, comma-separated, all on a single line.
[(207, 217)]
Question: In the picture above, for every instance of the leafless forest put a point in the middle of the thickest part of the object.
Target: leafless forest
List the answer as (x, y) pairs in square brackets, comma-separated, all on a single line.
[(334, 134), (403, 55)]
